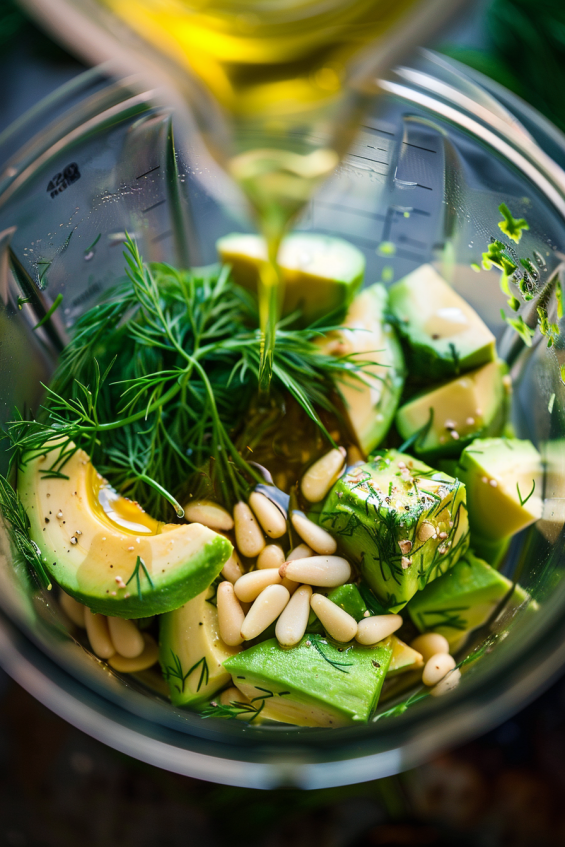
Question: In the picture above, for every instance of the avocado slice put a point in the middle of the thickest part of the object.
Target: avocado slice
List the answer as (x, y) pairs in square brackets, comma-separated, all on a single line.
[(461, 600), (400, 522), (191, 651), (316, 683), (372, 401), (443, 419), (321, 274), (403, 658), (503, 477), (106, 552), (443, 335)]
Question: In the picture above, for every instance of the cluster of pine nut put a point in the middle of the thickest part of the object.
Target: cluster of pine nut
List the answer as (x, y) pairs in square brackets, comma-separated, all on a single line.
[(440, 673), (116, 640), (280, 588)]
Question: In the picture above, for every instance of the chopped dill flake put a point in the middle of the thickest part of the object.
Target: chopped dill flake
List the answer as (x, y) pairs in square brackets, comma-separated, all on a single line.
[(511, 226)]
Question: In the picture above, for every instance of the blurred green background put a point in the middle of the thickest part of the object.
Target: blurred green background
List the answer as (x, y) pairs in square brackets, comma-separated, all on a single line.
[(59, 788)]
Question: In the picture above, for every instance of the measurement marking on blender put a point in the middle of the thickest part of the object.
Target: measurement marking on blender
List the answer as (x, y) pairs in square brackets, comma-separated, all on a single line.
[(154, 206), (382, 149), (376, 129), (417, 146), (368, 159), (162, 236), (150, 171)]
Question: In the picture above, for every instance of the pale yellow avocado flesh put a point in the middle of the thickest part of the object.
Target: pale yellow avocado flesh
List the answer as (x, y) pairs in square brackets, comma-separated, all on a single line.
[(94, 555), (320, 273), (404, 658), (190, 643), (497, 473), (461, 409), (435, 321), (372, 400)]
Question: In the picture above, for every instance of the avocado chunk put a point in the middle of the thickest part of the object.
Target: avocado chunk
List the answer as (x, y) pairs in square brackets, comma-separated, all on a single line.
[(372, 400), (348, 598), (191, 651), (316, 683), (321, 274), (443, 335), (461, 600), (503, 477), (443, 419), (403, 658), (106, 552), (400, 522)]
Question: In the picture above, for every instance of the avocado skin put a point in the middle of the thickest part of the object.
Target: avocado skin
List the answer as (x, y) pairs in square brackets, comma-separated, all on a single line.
[(368, 529), (350, 693), (461, 600), (194, 578)]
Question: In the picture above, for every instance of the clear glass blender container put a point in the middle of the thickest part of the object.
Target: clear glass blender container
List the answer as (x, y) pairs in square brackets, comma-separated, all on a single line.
[(440, 151)]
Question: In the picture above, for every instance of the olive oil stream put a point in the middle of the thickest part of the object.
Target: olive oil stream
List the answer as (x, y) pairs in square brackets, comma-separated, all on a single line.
[(278, 94)]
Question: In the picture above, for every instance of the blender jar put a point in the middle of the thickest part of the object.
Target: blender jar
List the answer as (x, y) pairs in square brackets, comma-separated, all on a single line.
[(440, 151)]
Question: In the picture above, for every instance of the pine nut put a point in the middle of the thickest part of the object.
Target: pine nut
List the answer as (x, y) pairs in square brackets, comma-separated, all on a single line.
[(271, 556), (268, 514), (326, 571), (320, 476), (248, 535), (98, 634), (230, 615), (266, 608), (300, 552), (337, 623), (437, 667), (429, 644), (209, 514), (250, 585), (233, 568), (315, 537), (448, 683), (145, 660), (126, 638), (73, 609), (373, 629), (232, 695), (292, 623)]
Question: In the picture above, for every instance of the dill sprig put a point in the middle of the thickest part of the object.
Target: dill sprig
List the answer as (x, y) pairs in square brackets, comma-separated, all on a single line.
[(17, 524), (156, 382)]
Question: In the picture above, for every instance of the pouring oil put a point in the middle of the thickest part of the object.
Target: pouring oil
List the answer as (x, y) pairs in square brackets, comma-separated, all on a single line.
[(279, 88)]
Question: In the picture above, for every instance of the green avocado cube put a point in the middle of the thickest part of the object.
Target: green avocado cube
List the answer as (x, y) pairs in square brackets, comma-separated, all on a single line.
[(316, 683), (443, 335), (441, 420), (400, 522), (503, 478), (321, 274), (461, 600)]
